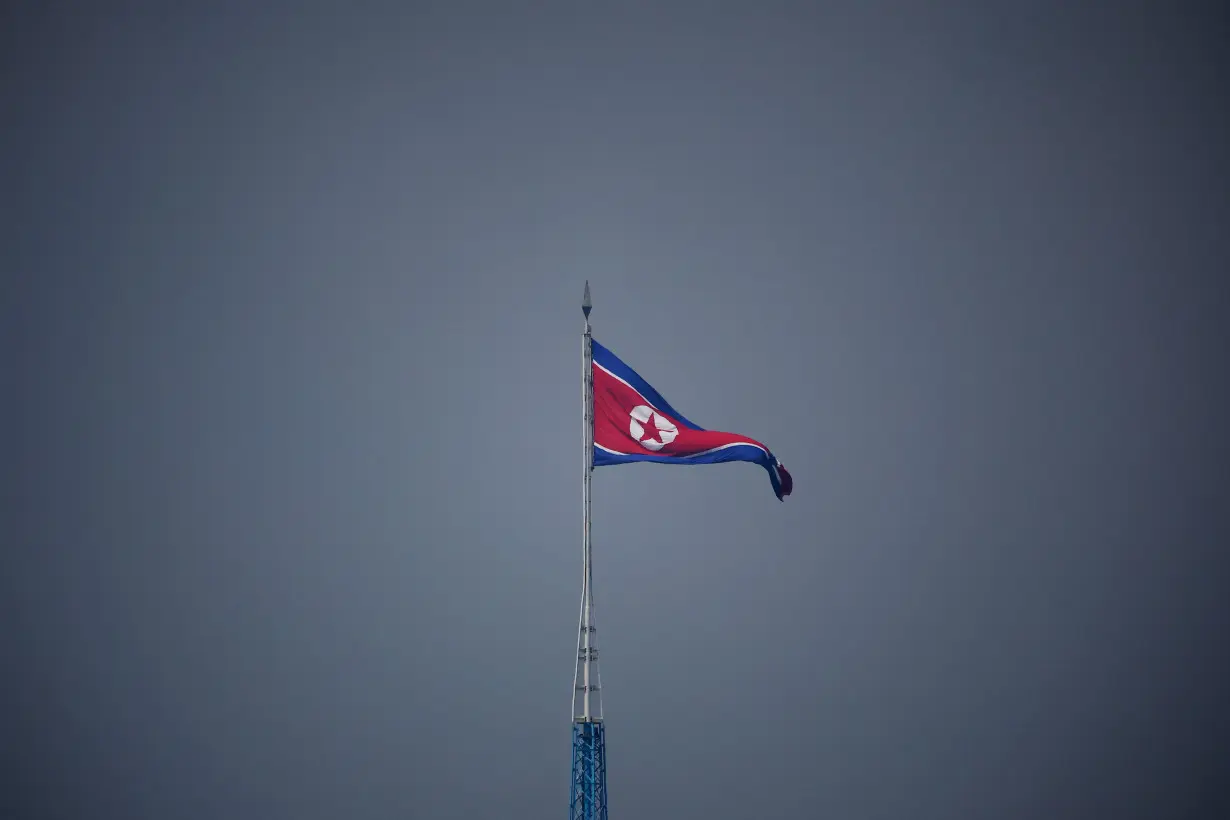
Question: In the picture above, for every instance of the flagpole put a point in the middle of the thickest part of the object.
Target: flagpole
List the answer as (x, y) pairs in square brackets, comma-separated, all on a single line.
[(586, 680), (587, 441), (587, 795)]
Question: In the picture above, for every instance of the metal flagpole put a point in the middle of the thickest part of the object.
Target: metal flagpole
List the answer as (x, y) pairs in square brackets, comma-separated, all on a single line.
[(587, 698), (588, 798)]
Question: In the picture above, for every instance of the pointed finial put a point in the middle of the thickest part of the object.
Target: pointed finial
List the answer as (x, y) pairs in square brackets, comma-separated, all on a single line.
[(585, 303)]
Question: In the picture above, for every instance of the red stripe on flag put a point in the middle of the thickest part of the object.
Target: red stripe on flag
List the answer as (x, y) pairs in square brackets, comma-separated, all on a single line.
[(614, 401)]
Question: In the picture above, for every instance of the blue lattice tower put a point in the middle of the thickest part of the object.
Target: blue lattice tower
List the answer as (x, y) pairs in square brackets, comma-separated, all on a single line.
[(588, 772), (588, 789)]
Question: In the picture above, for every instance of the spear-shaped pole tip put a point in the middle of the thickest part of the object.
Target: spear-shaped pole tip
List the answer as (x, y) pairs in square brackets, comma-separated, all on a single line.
[(585, 303)]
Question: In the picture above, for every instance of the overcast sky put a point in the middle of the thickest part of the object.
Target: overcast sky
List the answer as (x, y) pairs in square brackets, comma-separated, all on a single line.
[(293, 337)]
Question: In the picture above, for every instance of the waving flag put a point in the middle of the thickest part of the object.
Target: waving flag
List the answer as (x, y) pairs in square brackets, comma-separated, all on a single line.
[(632, 422)]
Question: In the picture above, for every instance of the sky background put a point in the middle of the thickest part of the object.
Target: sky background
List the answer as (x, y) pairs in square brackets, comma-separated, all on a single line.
[(292, 330)]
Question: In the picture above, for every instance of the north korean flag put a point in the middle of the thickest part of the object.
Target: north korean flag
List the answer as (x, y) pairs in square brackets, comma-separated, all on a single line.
[(632, 422)]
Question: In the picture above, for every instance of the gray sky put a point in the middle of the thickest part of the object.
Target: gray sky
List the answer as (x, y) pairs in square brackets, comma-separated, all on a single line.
[(293, 340)]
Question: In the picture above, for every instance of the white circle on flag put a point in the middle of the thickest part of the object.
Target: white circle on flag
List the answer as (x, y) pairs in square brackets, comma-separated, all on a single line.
[(646, 423)]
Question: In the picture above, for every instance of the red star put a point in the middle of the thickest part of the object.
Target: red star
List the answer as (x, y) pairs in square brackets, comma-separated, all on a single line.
[(651, 430)]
